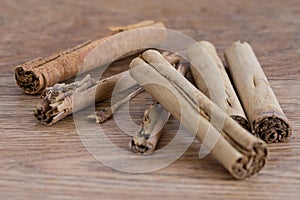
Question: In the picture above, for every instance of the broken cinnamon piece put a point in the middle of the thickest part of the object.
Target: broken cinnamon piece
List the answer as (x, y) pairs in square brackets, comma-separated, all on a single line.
[(105, 114), (57, 101)]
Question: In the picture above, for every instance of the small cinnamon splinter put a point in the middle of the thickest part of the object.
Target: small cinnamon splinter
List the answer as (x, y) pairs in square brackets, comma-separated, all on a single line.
[(155, 118), (131, 26), (105, 114)]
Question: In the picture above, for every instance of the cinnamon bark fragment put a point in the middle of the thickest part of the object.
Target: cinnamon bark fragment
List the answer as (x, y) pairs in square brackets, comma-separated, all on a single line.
[(107, 113), (57, 101), (155, 118)]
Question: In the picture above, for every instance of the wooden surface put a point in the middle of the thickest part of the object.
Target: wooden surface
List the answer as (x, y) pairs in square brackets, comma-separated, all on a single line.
[(51, 162)]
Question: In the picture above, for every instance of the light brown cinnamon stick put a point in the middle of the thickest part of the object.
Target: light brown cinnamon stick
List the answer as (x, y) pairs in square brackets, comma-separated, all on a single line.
[(241, 153), (208, 64), (154, 120), (34, 76), (57, 101), (259, 101)]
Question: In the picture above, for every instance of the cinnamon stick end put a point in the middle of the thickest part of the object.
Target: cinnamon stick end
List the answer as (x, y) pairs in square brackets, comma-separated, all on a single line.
[(141, 145), (29, 81), (251, 164), (272, 129), (41, 112)]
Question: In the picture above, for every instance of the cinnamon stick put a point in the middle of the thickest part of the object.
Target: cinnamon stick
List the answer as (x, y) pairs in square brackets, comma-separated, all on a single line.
[(57, 101), (241, 153), (207, 71), (154, 120), (34, 76), (259, 101)]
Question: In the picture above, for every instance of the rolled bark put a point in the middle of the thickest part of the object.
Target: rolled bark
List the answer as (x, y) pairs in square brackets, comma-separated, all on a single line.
[(241, 153), (57, 101), (154, 120), (207, 71), (34, 76), (259, 101)]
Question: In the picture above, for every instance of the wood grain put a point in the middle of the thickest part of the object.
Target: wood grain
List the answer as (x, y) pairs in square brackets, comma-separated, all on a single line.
[(51, 162)]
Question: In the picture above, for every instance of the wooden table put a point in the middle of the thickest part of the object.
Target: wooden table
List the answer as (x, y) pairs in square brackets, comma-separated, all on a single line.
[(39, 162)]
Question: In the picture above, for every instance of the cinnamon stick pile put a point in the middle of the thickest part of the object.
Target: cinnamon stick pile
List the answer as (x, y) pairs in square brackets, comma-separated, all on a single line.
[(233, 114)]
